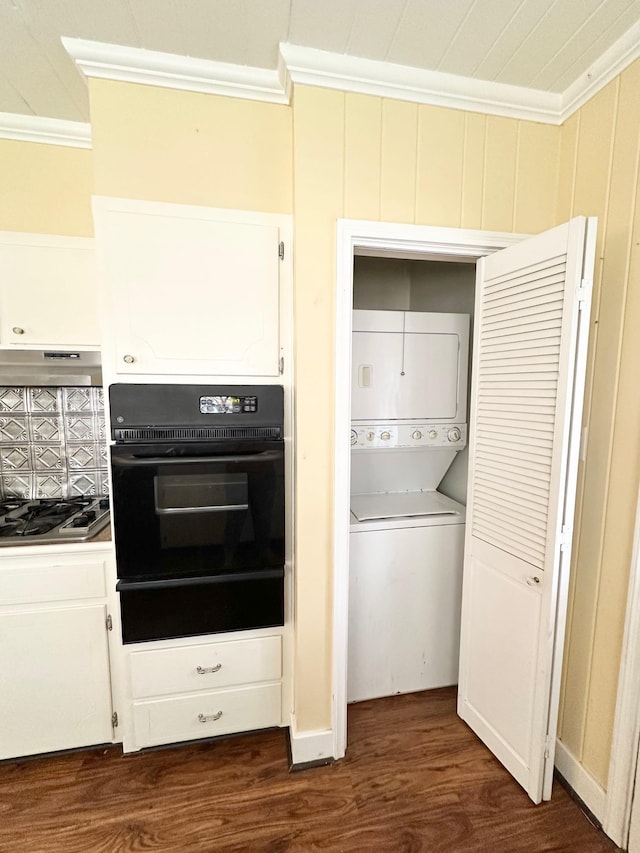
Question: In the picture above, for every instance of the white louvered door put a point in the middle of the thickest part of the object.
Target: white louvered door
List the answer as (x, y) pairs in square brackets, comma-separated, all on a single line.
[(531, 329)]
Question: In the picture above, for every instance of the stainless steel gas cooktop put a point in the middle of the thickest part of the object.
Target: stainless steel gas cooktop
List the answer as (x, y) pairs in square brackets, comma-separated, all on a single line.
[(51, 521)]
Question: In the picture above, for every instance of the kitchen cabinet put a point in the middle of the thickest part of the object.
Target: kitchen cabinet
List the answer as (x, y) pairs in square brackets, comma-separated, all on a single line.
[(48, 292), (54, 659), (192, 290), (181, 692)]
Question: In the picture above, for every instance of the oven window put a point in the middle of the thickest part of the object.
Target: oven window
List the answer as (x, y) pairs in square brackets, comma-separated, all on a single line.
[(201, 509)]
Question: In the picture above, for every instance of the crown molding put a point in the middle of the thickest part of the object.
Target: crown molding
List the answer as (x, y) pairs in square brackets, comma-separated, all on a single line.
[(153, 68), (611, 63), (311, 67), (50, 131)]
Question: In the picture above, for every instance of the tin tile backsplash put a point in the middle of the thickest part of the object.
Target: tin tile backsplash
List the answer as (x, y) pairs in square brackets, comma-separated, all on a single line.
[(52, 442)]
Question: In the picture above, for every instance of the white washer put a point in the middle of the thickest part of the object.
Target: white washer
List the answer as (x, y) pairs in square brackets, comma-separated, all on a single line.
[(405, 589)]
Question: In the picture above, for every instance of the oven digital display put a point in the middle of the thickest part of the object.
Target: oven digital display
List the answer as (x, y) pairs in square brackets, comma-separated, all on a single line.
[(218, 405)]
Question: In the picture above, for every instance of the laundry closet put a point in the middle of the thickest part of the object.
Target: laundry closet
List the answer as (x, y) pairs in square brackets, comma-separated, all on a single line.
[(410, 375)]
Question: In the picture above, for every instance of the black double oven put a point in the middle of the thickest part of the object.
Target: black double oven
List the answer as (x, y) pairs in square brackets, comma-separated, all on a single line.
[(198, 508)]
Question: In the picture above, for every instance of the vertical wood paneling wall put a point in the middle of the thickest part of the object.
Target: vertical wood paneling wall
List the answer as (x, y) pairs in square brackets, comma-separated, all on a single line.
[(363, 157), (599, 175), (186, 147), (45, 188)]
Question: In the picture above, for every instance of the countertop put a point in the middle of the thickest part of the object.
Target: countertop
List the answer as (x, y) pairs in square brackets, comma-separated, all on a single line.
[(103, 536)]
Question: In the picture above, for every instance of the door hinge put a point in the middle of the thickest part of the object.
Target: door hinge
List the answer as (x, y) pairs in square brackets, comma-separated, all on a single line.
[(281, 365), (114, 720), (583, 291), (566, 534), (109, 623), (547, 745), (281, 250)]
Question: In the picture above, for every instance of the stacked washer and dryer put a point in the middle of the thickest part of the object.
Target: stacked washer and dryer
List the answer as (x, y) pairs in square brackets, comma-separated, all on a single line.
[(408, 411)]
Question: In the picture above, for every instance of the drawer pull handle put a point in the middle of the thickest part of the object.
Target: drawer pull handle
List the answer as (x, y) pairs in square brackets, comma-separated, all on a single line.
[(209, 718), (203, 670)]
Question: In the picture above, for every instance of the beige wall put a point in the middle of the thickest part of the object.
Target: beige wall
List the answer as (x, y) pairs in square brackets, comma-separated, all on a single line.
[(167, 145), (599, 175), (364, 157), (45, 188)]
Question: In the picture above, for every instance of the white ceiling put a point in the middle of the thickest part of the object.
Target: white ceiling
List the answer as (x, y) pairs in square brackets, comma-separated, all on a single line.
[(538, 44)]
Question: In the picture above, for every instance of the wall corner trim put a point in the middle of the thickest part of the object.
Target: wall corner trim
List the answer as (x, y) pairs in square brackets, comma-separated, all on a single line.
[(311, 746), (154, 68), (581, 781), (50, 131), (611, 63)]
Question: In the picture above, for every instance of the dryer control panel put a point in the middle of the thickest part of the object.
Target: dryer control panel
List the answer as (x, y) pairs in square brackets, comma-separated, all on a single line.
[(397, 436)]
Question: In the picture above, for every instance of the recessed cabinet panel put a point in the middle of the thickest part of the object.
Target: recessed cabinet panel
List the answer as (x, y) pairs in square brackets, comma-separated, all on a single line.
[(55, 674), (192, 290), (48, 293)]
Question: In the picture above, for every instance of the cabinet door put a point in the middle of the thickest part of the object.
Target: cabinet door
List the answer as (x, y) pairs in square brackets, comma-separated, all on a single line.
[(54, 668), (192, 290), (48, 293)]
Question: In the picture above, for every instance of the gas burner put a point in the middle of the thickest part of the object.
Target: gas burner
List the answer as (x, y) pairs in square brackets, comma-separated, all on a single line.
[(50, 521), (9, 504)]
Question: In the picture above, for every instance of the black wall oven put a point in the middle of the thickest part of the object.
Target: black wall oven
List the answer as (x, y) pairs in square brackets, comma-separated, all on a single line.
[(198, 508)]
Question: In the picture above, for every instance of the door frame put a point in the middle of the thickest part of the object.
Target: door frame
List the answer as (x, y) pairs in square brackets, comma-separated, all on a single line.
[(387, 239), (624, 762)]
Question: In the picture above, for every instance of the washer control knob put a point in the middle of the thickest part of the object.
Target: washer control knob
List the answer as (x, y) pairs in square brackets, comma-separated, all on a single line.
[(433, 433), (354, 436), (454, 434), (416, 434), (371, 436), (385, 436)]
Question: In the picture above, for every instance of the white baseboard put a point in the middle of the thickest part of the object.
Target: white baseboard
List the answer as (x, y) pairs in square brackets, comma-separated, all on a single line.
[(590, 792), (314, 745)]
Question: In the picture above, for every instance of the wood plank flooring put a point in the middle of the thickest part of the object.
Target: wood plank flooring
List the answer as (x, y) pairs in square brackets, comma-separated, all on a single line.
[(415, 779)]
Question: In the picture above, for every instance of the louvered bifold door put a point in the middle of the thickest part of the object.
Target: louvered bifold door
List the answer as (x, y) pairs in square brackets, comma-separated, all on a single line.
[(531, 327)]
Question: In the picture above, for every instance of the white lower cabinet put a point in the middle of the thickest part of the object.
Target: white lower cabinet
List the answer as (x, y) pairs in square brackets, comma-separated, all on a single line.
[(185, 692), (54, 657)]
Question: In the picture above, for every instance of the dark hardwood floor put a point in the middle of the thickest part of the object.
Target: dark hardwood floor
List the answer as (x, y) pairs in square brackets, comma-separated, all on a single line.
[(415, 779)]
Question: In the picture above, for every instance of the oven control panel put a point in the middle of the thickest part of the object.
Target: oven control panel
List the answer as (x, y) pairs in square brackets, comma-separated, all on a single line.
[(225, 405)]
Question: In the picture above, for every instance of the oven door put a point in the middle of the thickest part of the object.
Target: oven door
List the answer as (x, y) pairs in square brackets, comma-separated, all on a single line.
[(196, 510)]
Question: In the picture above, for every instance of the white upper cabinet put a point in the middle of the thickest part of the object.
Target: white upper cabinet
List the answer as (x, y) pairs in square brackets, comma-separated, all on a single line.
[(191, 290), (48, 293)]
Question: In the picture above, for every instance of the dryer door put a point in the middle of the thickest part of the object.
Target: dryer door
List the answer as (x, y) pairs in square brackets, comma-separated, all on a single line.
[(409, 366)]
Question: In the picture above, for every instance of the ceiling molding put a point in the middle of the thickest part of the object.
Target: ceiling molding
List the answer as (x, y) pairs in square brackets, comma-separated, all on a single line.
[(153, 68), (311, 67), (50, 131), (611, 63)]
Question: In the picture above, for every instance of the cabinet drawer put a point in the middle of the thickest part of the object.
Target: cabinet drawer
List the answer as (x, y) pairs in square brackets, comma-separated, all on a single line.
[(205, 667), (207, 714), (45, 580)]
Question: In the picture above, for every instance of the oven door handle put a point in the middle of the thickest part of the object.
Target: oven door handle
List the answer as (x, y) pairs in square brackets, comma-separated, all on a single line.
[(189, 510), (124, 585), (134, 461)]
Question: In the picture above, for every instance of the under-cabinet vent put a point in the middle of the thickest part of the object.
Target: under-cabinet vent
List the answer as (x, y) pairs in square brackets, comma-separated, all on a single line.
[(130, 434)]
